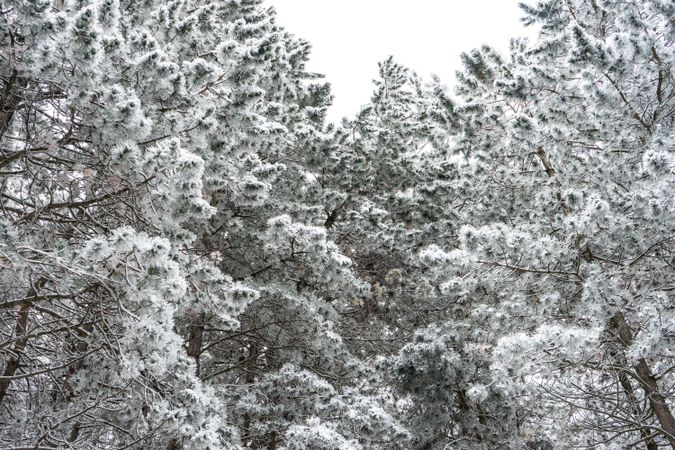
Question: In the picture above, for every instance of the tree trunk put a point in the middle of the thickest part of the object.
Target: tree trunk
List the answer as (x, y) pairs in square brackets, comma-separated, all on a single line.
[(9, 101), (272, 445), (174, 444), (20, 330), (657, 402), (645, 432), (194, 348), (80, 347)]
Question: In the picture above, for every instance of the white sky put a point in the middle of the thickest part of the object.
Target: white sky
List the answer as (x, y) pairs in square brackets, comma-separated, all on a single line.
[(349, 37)]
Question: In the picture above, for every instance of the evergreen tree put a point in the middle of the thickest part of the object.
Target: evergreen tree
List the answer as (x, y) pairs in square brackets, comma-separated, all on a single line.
[(566, 249), (191, 258), (148, 177)]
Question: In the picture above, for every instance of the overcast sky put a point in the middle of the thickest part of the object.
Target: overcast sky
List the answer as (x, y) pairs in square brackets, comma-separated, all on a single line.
[(349, 37)]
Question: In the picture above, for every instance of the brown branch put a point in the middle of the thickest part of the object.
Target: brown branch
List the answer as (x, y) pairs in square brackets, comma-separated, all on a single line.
[(646, 379), (20, 330), (635, 115), (530, 270)]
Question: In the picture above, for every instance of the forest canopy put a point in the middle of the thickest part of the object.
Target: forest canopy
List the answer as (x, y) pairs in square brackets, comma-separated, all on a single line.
[(193, 257)]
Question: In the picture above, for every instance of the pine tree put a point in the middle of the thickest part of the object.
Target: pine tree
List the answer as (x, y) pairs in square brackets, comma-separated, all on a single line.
[(566, 250), (144, 185), (191, 258)]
